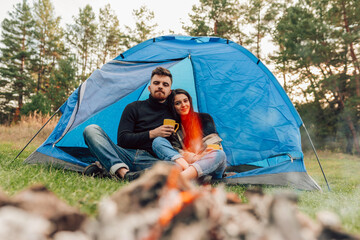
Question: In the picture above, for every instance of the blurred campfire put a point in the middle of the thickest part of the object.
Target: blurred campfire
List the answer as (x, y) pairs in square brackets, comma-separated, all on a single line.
[(37, 214), (162, 205)]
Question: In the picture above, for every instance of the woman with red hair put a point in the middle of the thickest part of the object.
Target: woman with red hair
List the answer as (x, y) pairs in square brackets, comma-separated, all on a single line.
[(196, 145)]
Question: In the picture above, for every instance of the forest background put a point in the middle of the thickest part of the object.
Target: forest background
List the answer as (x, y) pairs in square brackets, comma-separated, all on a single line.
[(315, 57)]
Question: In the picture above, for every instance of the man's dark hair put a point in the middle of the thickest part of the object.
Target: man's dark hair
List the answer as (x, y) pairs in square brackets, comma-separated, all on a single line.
[(161, 72)]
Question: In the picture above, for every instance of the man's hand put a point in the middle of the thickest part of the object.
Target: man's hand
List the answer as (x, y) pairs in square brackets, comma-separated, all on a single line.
[(162, 131)]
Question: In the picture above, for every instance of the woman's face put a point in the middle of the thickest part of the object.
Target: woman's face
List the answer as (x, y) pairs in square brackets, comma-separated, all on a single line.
[(182, 104)]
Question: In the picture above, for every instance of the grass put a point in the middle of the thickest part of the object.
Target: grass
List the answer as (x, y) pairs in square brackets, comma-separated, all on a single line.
[(342, 172), (84, 193), (79, 191)]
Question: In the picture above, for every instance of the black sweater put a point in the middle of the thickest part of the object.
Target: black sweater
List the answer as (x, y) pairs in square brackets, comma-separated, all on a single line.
[(138, 119)]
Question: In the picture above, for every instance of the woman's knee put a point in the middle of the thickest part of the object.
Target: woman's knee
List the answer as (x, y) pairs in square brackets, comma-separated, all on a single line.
[(158, 141), (220, 157)]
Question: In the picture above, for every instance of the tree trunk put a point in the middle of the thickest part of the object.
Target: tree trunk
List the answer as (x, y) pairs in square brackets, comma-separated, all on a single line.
[(215, 28), (41, 70), (352, 52), (22, 70), (284, 77), (85, 55), (357, 78), (16, 115), (349, 143), (258, 36), (20, 85), (105, 53), (355, 139), (38, 82), (284, 70), (350, 123)]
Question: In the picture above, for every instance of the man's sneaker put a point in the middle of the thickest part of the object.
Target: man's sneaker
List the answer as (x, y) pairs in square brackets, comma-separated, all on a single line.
[(130, 176), (95, 170)]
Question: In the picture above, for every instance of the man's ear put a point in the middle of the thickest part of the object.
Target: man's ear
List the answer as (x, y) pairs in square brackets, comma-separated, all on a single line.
[(149, 88)]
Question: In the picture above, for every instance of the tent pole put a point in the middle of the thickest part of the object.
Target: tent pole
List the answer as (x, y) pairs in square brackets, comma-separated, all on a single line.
[(313, 147), (35, 135)]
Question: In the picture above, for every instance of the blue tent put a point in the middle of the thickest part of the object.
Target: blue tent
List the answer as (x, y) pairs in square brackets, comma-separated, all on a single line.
[(253, 115)]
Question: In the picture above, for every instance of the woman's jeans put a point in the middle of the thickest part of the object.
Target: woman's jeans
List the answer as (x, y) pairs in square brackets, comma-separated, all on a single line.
[(113, 157), (213, 163)]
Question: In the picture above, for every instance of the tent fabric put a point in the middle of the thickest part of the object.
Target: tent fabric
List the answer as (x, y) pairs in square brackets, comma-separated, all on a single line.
[(38, 157), (252, 113), (300, 180)]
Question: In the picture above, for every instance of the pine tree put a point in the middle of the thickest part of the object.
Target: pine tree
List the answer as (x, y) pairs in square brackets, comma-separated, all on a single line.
[(345, 16), (145, 28), (316, 47), (49, 39), (16, 57), (109, 36), (273, 14), (62, 82), (254, 13), (83, 36), (215, 18)]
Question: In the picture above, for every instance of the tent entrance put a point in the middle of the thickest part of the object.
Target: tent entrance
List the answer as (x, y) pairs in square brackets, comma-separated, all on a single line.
[(81, 153)]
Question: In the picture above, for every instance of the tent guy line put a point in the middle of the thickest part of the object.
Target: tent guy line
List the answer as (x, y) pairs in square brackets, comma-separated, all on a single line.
[(57, 111), (317, 157)]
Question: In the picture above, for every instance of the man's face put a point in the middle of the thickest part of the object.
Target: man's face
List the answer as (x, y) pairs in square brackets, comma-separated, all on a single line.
[(160, 87)]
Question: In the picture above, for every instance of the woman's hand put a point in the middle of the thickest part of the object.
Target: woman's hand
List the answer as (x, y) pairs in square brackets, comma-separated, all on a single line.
[(199, 156), (183, 163), (191, 157), (188, 156)]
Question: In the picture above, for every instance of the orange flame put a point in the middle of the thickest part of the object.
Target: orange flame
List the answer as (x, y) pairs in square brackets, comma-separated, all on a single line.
[(168, 214), (172, 201)]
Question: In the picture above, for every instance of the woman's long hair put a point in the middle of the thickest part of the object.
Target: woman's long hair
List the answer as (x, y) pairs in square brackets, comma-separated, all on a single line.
[(190, 123)]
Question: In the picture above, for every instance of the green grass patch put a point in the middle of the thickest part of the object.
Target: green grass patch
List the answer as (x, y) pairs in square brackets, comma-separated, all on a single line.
[(79, 191), (85, 193), (342, 172)]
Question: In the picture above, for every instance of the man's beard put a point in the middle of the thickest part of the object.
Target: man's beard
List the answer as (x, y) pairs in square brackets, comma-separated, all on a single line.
[(159, 95)]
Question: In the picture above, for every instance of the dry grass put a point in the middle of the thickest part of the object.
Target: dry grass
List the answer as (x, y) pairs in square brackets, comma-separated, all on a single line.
[(20, 133)]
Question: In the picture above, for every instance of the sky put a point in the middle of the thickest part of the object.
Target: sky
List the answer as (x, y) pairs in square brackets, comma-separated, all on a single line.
[(168, 13)]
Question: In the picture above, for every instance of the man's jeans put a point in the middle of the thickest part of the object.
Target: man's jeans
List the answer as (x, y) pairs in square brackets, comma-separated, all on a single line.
[(213, 163), (113, 157)]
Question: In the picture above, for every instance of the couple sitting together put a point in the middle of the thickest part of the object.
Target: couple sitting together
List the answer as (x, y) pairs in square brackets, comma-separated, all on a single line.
[(144, 138)]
